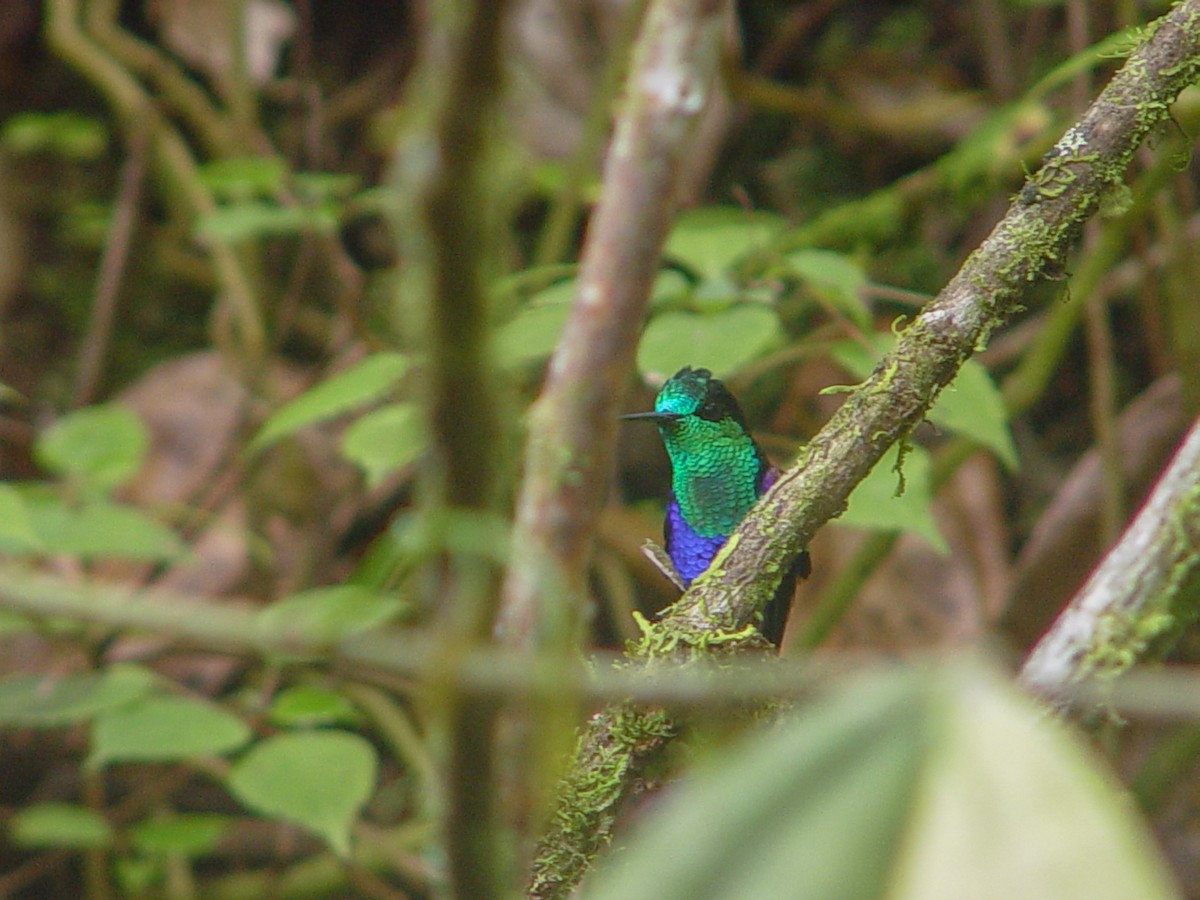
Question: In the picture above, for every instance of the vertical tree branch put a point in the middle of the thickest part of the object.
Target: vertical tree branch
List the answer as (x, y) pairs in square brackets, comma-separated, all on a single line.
[(442, 166), (572, 425)]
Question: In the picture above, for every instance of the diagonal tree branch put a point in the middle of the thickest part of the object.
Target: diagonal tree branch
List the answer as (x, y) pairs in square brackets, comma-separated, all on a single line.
[(1084, 169)]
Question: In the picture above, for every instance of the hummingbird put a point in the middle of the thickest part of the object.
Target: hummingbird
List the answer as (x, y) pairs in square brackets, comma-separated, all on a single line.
[(718, 471)]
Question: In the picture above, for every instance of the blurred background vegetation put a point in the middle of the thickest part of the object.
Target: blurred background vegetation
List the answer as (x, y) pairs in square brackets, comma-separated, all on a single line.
[(211, 358)]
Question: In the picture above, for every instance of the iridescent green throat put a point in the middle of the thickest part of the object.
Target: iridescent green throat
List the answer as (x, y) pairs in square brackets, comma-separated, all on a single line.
[(715, 472)]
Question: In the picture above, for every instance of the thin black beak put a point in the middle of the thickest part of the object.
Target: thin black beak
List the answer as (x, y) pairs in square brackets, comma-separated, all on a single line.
[(654, 416)]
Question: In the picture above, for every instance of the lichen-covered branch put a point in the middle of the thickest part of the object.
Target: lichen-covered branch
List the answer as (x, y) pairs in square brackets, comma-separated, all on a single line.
[(572, 425), (1084, 169), (1144, 591)]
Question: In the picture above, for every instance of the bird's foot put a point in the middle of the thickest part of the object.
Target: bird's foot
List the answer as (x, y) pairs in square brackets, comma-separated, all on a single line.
[(658, 556)]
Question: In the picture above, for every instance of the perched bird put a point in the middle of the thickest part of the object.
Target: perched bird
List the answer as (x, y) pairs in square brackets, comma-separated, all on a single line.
[(717, 473)]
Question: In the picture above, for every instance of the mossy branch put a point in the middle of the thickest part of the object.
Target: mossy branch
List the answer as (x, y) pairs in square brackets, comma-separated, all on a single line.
[(1141, 596), (1086, 167)]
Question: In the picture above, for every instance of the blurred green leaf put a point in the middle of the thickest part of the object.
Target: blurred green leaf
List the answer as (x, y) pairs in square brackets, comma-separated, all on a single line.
[(531, 335), (59, 825), (369, 380), (710, 240), (970, 405), (102, 446), (186, 834), (17, 534), (164, 729), (242, 177), (1015, 805), (306, 705), (137, 876), (43, 701), (99, 529), (722, 342), (385, 440), (329, 614), (14, 623), (910, 785), (875, 503), (670, 286), (68, 134), (319, 780), (316, 187), (249, 219), (9, 394), (812, 808), (835, 278)]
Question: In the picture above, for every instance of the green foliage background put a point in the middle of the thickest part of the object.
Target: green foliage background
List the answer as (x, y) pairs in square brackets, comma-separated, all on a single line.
[(213, 359)]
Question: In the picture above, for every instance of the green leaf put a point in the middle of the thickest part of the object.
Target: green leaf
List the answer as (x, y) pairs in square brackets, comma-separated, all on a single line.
[(710, 240), (910, 785), (190, 834), (102, 446), (244, 176), (970, 405), (249, 219), (164, 729), (318, 780), (17, 534), (367, 381), (385, 440), (101, 529), (723, 341), (670, 286), (875, 504), (809, 809), (68, 134), (1013, 801), (329, 614), (41, 701), (306, 705), (322, 186), (835, 278), (9, 394), (532, 334), (14, 623), (59, 825)]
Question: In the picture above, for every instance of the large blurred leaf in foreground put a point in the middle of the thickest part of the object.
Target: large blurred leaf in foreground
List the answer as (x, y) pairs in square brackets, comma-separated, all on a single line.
[(910, 785)]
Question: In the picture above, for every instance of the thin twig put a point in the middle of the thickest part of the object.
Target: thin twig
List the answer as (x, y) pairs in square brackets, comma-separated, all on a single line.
[(112, 266)]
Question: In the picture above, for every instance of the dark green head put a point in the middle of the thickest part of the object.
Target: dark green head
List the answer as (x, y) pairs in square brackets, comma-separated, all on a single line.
[(716, 466), (691, 396)]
